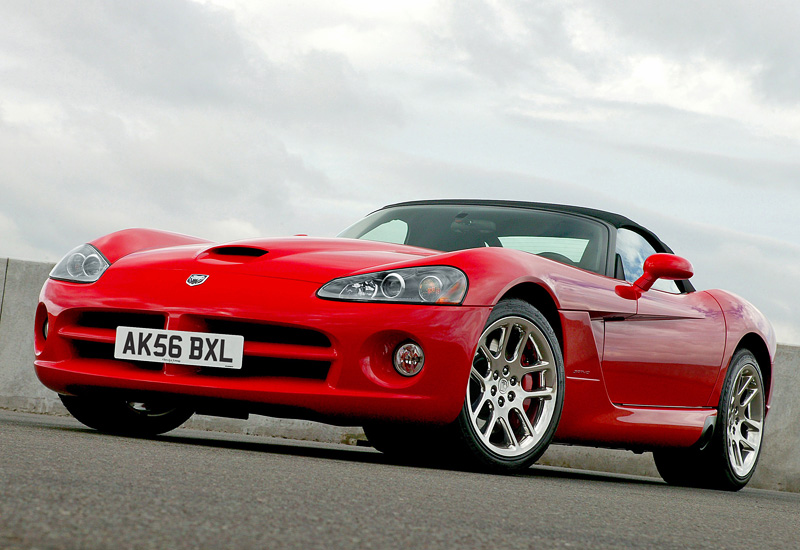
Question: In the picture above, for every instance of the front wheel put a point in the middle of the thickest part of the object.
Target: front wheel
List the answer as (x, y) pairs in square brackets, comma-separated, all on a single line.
[(143, 418), (515, 392), (416, 443), (730, 459)]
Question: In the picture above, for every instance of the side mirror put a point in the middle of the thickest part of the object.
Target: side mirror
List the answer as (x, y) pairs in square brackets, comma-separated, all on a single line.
[(657, 266), (663, 266)]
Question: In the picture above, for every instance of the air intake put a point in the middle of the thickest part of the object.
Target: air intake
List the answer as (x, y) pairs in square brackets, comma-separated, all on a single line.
[(246, 251)]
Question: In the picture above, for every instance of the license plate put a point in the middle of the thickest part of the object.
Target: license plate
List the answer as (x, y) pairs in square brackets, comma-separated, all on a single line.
[(201, 349)]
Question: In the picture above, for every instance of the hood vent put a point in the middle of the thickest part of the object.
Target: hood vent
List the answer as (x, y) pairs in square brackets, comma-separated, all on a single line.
[(236, 251)]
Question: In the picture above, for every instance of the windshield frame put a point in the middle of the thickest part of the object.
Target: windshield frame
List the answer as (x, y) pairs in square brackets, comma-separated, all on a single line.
[(602, 241)]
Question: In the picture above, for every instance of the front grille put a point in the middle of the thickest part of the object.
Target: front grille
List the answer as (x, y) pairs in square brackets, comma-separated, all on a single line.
[(295, 354), (269, 350), (102, 350), (92, 333), (93, 350), (269, 334), (114, 319)]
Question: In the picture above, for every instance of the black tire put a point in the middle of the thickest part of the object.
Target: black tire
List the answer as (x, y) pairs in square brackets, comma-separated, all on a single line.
[(126, 417), (503, 391), (417, 443), (729, 460), (682, 467), (390, 439)]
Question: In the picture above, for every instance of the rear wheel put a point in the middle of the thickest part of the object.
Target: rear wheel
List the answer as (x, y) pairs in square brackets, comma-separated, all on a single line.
[(515, 392), (730, 459), (682, 467), (145, 418)]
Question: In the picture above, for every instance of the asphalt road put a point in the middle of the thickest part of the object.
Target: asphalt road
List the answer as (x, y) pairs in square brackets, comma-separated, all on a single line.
[(64, 486)]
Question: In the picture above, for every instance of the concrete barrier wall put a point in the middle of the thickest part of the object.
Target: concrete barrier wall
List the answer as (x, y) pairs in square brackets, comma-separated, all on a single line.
[(20, 390), (19, 387)]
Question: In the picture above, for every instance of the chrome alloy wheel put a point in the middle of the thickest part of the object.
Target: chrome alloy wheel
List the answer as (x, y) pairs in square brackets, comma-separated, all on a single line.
[(512, 387), (745, 421)]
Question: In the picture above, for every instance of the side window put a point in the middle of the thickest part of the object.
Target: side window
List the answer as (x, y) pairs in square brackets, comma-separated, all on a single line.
[(632, 251), (393, 231)]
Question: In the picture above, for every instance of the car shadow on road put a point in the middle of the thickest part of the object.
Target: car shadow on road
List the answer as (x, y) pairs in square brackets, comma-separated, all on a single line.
[(349, 453), (540, 470), (368, 455)]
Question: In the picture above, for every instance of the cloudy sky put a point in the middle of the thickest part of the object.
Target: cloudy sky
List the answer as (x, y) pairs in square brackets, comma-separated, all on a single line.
[(231, 119)]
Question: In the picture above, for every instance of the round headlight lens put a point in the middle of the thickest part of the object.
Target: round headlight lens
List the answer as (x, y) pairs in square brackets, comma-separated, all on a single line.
[(92, 265), (430, 288), (75, 264), (393, 285), (84, 264)]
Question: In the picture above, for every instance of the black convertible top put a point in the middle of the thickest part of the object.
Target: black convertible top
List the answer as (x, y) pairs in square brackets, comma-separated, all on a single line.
[(610, 218)]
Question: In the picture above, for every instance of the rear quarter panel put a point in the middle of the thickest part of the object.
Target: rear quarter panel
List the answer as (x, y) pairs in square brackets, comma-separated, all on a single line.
[(741, 320)]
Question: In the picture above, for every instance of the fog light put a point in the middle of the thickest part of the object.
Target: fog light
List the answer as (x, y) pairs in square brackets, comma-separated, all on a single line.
[(408, 359), (45, 328)]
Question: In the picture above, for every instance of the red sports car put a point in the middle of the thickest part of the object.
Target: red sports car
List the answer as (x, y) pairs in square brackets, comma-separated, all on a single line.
[(479, 331)]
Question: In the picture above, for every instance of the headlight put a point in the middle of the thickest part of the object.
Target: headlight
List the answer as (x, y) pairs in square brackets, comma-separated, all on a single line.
[(427, 285), (84, 264)]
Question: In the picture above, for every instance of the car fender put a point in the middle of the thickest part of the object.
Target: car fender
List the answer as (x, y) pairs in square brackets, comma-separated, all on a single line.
[(743, 320), (127, 241)]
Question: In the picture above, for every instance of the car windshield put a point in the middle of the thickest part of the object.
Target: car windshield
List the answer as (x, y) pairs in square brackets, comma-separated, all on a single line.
[(570, 239)]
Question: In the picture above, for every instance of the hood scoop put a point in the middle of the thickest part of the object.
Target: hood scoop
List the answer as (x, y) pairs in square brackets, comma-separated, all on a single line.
[(249, 251), (233, 253)]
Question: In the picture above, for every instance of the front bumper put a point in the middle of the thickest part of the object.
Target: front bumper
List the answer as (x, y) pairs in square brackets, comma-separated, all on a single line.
[(304, 357)]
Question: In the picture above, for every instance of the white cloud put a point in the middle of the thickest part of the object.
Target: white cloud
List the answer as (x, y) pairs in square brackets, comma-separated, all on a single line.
[(228, 119)]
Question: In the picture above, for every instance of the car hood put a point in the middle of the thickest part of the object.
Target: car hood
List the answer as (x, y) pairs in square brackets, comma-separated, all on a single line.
[(296, 258)]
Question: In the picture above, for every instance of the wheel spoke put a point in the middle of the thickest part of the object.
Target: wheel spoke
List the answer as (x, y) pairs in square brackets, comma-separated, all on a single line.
[(745, 382), (752, 425), (544, 393), (481, 404), (478, 377), (745, 444), (541, 358), (486, 353), (749, 399), (509, 433), (501, 343), (506, 341), (526, 422), (519, 351), (489, 427), (541, 366), (737, 451)]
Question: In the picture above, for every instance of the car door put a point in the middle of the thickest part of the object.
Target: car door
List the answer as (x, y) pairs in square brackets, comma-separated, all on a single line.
[(669, 353)]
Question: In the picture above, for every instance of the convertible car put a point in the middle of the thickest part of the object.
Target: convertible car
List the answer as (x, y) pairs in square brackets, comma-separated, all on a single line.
[(473, 332)]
